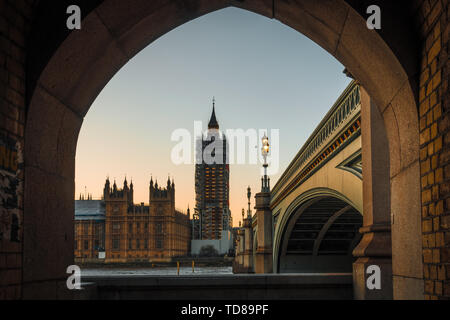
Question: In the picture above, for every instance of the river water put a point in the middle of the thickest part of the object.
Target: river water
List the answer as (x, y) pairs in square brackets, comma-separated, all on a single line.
[(184, 271)]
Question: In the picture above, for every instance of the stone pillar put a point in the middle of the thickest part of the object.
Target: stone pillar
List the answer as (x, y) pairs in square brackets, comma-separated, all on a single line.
[(236, 268), (375, 247), (264, 259), (248, 246), (241, 234)]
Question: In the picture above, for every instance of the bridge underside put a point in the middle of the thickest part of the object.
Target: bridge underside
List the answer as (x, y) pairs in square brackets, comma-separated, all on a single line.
[(320, 238)]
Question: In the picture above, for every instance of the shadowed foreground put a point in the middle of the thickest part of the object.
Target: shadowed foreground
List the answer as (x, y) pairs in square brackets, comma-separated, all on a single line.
[(223, 287)]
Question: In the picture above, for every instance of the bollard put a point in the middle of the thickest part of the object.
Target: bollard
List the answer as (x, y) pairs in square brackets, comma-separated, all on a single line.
[(178, 267)]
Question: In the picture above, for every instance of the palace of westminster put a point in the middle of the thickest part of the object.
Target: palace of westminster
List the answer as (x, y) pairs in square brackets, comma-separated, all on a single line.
[(116, 230)]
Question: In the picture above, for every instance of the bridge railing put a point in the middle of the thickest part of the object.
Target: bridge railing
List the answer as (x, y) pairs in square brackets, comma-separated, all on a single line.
[(343, 111)]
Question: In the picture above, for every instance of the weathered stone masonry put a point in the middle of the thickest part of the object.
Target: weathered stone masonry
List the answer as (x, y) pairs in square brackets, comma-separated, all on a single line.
[(434, 110), (15, 22)]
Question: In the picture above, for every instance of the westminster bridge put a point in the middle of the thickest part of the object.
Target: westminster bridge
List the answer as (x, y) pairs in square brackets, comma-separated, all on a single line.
[(314, 216)]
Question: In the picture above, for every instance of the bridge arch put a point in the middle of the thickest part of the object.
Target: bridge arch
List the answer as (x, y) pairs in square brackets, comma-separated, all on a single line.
[(306, 229), (68, 70)]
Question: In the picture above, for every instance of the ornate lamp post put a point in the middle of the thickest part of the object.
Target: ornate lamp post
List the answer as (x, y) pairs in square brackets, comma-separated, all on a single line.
[(265, 152), (248, 237), (249, 194), (264, 263)]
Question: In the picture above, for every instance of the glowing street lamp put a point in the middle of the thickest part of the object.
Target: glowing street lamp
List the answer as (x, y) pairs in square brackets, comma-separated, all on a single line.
[(265, 152), (266, 146)]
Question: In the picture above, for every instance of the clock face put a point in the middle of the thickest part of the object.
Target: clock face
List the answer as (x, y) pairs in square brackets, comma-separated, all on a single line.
[(160, 210)]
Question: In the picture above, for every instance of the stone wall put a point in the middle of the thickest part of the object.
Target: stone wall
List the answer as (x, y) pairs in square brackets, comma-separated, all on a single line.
[(433, 16), (15, 23)]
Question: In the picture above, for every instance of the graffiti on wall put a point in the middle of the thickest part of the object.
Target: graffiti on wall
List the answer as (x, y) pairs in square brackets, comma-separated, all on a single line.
[(11, 161)]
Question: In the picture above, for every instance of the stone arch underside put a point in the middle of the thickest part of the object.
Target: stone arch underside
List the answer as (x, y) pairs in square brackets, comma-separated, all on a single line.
[(320, 237), (114, 31)]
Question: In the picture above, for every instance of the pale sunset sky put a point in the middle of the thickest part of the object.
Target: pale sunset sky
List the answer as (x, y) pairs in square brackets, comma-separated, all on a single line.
[(263, 74)]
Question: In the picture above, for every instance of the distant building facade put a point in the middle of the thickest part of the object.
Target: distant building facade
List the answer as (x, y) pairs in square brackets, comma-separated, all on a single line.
[(89, 228), (127, 232), (212, 214)]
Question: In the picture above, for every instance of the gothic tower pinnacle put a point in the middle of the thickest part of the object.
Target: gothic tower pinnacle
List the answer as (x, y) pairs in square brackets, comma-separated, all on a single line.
[(213, 124)]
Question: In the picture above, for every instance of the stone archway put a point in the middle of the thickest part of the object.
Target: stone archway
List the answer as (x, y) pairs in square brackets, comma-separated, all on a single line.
[(294, 211), (114, 31), (319, 237)]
